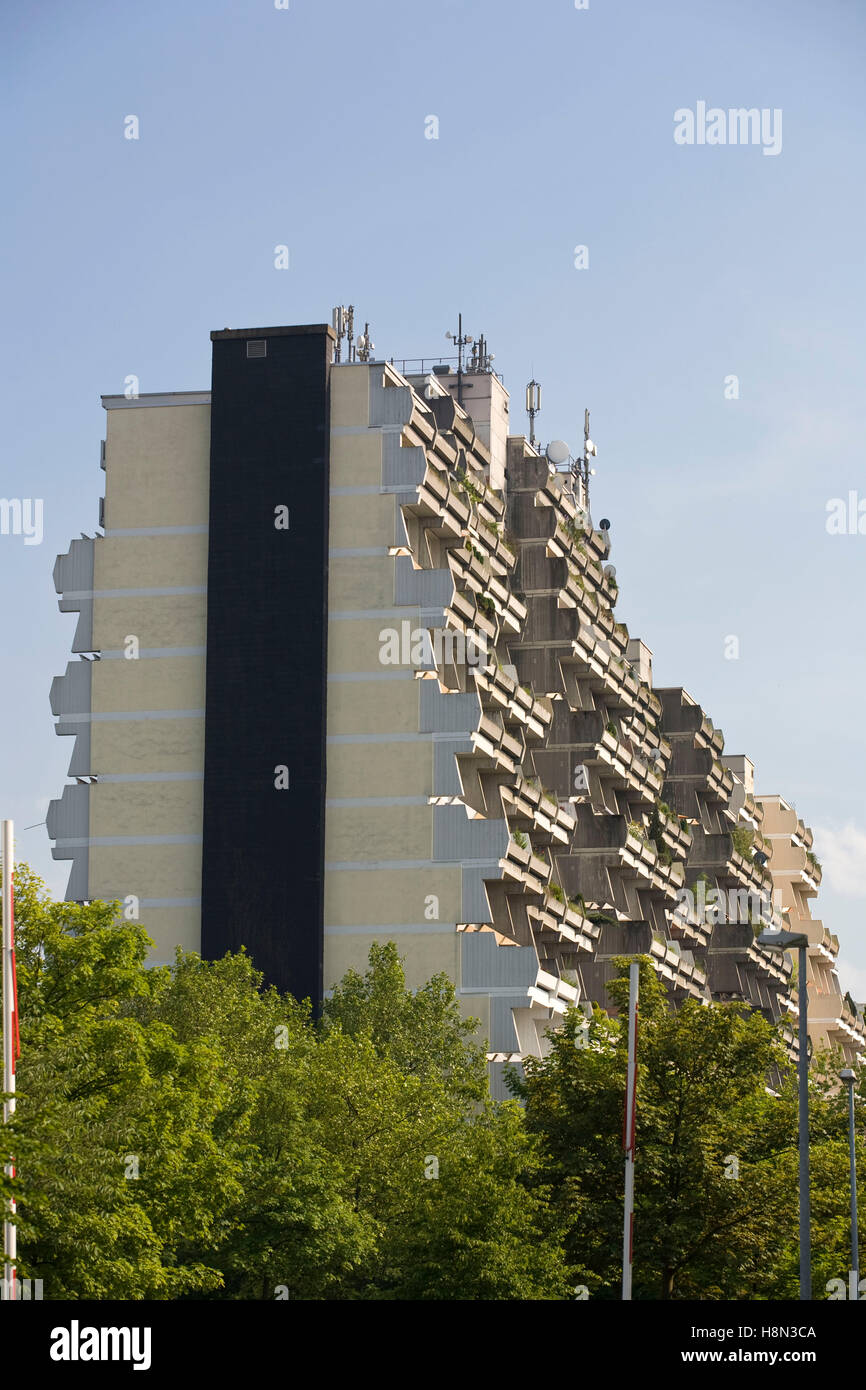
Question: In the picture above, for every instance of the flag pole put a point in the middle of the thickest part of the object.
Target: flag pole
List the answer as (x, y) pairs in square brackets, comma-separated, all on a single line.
[(10, 1049), (628, 1130)]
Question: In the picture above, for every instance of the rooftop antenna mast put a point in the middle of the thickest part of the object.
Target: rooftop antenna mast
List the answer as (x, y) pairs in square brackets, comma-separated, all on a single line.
[(460, 343), (365, 346), (343, 322), (581, 469), (533, 405)]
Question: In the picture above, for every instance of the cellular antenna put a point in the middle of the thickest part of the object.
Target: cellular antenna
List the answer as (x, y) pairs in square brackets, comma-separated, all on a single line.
[(533, 405), (460, 343), (343, 324), (365, 346), (581, 469)]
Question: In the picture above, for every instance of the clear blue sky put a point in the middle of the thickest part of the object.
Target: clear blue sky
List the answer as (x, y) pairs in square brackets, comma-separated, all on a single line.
[(306, 127)]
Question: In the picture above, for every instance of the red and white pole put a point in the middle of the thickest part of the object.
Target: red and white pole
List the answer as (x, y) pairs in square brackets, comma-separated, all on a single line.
[(628, 1130), (11, 1047)]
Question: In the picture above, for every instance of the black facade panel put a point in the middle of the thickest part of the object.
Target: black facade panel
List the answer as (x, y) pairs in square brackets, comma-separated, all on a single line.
[(263, 850)]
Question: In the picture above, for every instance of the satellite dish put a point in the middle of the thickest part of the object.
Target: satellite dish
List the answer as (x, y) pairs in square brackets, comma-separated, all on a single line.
[(604, 524), (558, 452), (610, 572)]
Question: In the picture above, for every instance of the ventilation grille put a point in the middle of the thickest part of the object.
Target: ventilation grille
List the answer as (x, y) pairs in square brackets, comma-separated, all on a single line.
[(257, 347)]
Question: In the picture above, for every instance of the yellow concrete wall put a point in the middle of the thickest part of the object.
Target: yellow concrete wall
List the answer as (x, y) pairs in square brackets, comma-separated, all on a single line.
[(392, 896), (368, 521), (150, 871), (150, 562), (381, 899), (157, 475), (373, 707), (350, 396), (398, 769), (163, 745), (359, 581), (146, 808), (175, 620), (356, 833), (157, 466), (163, 682)]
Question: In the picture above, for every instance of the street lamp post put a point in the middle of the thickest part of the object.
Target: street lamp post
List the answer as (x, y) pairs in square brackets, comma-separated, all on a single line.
[(784, 941), (849, 1077)]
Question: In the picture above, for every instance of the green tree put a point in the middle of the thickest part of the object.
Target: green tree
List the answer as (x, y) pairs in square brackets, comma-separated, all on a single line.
[(111, 1137), (449, 1176), (185, 1132), (716, 1170)]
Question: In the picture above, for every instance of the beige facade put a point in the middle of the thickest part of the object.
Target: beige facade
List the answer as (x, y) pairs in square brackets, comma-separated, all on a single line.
[(137, 801), (835, 1020), (515, 821)]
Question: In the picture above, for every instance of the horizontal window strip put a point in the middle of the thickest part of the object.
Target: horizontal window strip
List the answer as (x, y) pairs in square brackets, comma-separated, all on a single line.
[(156, 531), (339, 801), (355, 551), (109, 894), (149, 777), (348, 615), (152, 653), (177, 591), (405, 673), (433, 864), (398, 738), (127, 716), (405, 929), (339, 430), (109, 841)]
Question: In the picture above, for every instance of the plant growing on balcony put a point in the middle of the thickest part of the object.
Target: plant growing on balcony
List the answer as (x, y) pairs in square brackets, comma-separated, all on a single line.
[(656, 832), (556, 892), (610, 728), (465, 483), (637, 830), (520, 839), (743, 837), (485, 602), (813, 860)]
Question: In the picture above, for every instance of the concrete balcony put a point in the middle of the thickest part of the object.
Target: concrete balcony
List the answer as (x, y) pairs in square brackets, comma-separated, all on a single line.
[(822, 942), (501, 695), (716, 853), (837, 1011), (529, 809), (676, 836), (677, 968)]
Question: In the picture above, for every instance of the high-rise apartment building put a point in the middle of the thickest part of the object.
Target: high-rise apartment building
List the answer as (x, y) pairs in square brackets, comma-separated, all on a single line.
[(350, 670)]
